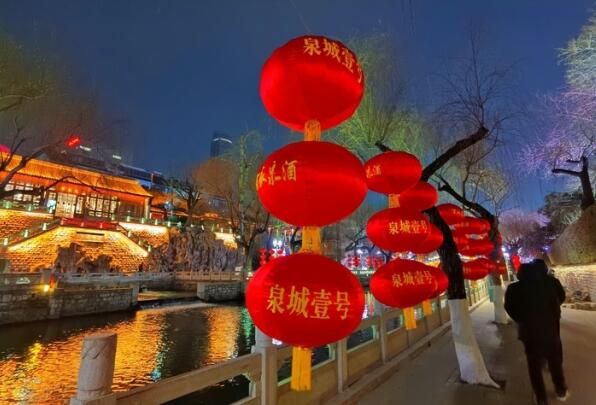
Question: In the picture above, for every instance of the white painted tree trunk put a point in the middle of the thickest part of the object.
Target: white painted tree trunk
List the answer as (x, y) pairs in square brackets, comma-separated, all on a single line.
[(499, 305), (471, 364)]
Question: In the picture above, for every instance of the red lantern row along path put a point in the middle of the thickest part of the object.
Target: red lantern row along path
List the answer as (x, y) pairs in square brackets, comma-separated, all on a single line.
[(402, 227), (311, 83)]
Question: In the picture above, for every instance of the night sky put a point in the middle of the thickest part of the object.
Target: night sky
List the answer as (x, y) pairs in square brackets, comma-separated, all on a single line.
[(178, 70)]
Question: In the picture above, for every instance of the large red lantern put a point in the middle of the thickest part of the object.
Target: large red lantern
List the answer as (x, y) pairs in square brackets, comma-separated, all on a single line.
[(476, 247), (305, 300), (433, 241), (420, 197), (489, 264), (403, 284), (311, 183), (311, 78), (451, 213), (397, 230), (392, 172)]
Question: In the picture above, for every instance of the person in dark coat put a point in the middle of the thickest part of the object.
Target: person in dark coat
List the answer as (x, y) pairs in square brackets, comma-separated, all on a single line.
[(534, 303)]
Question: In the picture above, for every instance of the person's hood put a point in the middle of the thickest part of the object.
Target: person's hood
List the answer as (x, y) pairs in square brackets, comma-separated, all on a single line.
[(529, 273)]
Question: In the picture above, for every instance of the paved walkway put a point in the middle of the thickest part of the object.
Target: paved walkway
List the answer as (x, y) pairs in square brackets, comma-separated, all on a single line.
[(432, 378)]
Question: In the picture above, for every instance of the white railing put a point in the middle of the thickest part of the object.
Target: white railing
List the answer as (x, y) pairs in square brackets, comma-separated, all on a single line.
[(330, 378), (19, 279), (209, 275)]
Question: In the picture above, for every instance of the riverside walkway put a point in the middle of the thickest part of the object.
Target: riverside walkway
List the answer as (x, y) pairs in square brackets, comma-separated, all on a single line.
[(432, 377)]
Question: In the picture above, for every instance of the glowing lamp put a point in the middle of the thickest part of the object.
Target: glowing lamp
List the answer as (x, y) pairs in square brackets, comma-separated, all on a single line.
[(73, 141), (311, 78)]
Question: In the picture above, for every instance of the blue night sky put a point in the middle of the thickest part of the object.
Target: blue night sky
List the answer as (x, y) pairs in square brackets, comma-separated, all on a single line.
[(178, 70)]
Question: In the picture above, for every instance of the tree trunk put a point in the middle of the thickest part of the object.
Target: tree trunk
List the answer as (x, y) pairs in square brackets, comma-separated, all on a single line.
[(498, 291), (587, 192), (471, 364)]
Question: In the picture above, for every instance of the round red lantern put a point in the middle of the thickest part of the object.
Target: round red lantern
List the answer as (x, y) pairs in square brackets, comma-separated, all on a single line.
[(451, 213), (311, 183), (476, 248), (397, 230), (471, 225), (489, 264), (433, 241), (305, 300), (442, 281), (392, 172), (475, 270), (516, 261), (403, 284), (311, 78), (420, 197)]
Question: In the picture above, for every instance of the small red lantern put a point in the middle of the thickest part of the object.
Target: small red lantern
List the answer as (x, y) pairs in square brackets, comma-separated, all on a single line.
[(502, 268), (305, 300), (397, 230), (470, 225), (433, 241), (403, 284), (262, 256), (357, 261), (392, 172), (515, 260), (311, 78), (420, 197), (4, 149), (451, 213), (311, 183)]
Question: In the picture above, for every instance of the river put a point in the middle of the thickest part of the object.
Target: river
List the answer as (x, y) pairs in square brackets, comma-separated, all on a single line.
[(39, 361)]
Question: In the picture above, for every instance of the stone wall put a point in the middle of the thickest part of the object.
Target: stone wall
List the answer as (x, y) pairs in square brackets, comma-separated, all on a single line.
[(577, 244), (578, 278), (217, 291), (41, 251), (31, 303)]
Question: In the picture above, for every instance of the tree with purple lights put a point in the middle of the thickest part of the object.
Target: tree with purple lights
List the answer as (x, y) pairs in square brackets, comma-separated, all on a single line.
[(567, 141)]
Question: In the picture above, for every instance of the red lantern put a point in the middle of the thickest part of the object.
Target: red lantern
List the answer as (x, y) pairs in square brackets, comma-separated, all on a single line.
[(442, 281), (476, 247), (472, 225), (262, 256), (397, 230), (311, 78), (420, 197), (487, 263), (311, 183), (433, 241), (305, 300), (357, 262), (451, 213), (392, 172), (502, 268), (403, 284), (475, 270), (515, 260)]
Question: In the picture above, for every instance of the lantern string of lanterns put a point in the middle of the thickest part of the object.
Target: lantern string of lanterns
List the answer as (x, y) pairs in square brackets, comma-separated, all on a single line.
[(305, 299), (402, 227)]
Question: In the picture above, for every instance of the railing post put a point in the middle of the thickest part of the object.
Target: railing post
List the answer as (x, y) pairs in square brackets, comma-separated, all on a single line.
[(439, 309), (268, 385), (341, 357), (383, 336), (96, 372)]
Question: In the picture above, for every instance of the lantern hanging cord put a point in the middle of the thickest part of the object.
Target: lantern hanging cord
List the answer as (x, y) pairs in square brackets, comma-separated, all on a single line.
[(306, 28)]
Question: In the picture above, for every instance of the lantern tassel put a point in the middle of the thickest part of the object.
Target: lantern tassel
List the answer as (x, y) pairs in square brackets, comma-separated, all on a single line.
[(301, 369), (427, 308), (410, 318), (474, 284)]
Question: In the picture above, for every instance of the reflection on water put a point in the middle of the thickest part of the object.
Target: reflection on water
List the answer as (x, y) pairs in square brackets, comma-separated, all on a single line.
[(39, 362)]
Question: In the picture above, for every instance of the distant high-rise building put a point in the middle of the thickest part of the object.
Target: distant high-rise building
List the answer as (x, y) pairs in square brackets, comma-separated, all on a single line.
[(220, 144)]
